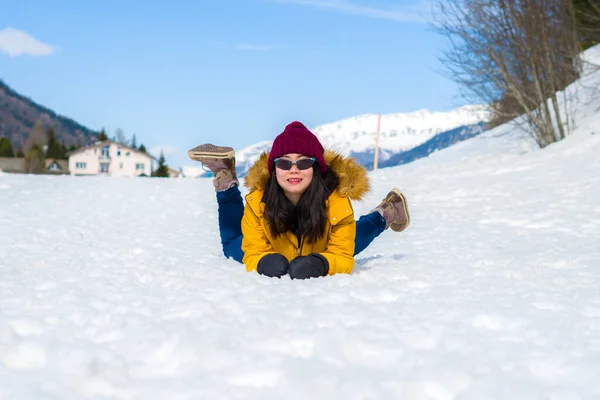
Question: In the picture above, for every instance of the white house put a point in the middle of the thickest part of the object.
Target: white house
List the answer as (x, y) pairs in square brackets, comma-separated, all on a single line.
[(110, 159)]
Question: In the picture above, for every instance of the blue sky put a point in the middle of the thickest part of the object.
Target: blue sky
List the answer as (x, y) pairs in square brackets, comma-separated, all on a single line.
[(231, 72)]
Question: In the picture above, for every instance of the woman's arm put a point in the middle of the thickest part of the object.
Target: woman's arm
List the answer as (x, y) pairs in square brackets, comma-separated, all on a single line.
[(340, 247), (255, 244)]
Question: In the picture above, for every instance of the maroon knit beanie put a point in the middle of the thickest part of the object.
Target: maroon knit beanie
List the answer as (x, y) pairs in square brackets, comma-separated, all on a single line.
[(296, 138)]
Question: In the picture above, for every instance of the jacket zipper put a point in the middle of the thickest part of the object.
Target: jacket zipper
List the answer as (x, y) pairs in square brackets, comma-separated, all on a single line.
[(300, 243)]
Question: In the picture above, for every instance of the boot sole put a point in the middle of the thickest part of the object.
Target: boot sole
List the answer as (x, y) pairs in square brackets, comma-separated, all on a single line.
[(210, 151), (400, 227)]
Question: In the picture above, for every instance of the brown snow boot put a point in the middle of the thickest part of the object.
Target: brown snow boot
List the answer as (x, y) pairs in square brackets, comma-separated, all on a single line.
[(220, 160), (394, 210)]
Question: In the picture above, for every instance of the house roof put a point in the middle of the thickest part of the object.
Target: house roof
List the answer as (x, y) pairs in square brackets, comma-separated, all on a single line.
[(62, 164), (104, 143)]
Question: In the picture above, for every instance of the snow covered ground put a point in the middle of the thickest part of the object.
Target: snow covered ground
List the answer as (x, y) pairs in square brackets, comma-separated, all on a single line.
[(116, 288)]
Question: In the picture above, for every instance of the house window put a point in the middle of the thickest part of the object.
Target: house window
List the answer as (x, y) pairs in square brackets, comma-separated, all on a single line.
[(80, 165), (119, 152), (121, 165), (140, 166), (104, 167), (105, 151)]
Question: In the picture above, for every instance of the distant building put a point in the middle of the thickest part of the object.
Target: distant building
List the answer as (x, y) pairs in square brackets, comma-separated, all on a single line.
[(173, 173), (192, 172), (12, 165), (110, 159), (17, 166), (57, 167)]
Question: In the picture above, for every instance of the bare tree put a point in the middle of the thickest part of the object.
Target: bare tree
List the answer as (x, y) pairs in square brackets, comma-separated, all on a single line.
[(587, 14), (37, 135), (120, 137), (515, 55)]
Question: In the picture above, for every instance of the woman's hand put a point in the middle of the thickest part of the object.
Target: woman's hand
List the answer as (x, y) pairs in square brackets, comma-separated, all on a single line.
[(311, 266), (273, 265)]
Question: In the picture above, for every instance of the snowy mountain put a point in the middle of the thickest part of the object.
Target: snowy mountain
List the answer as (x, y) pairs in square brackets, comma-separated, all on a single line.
[(355, 136), (398, 132), (243, 161), (436, 143), (246, 157), (491, 293)]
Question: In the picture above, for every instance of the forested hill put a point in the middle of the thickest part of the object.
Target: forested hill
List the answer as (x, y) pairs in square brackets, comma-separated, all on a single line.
[(18, 114)]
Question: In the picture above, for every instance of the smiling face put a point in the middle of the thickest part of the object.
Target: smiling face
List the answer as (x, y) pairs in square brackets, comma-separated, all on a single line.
[(294, 182)]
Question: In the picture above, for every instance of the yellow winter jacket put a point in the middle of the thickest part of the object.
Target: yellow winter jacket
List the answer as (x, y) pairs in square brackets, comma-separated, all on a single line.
[(336, 245)]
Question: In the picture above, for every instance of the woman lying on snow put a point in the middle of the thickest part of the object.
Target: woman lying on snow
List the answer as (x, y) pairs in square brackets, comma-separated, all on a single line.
[(298, 219)]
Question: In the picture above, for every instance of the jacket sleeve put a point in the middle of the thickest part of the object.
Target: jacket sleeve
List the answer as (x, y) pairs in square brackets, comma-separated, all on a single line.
[(340, 246), (255, 244)]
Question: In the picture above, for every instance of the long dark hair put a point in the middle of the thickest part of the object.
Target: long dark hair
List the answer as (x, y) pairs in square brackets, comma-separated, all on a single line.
[(308, 218)]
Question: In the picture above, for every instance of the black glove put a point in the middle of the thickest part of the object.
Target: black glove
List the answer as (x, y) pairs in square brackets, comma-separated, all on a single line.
[(273, 265), (310, 266)]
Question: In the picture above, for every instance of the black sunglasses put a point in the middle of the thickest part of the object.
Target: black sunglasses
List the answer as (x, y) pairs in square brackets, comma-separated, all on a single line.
[(302, 164)]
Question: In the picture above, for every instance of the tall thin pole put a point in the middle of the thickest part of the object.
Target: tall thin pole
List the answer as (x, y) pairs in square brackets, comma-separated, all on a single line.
[(377, 143)]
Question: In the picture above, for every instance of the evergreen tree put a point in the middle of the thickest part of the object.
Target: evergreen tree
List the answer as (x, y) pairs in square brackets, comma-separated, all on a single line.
[(34, 160), (6, 149), (72, 147), (20, 153), (62, 155), (50, 136), (163, 170), (55, 149), (134, 142), (102, 136), (142, 148)]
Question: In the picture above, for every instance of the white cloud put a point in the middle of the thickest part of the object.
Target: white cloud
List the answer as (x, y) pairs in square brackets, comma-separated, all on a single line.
[(408, 13), (253, 47), (17, 43)]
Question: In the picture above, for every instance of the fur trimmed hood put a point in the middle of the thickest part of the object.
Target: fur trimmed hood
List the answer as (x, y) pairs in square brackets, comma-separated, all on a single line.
[(354, 181)]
